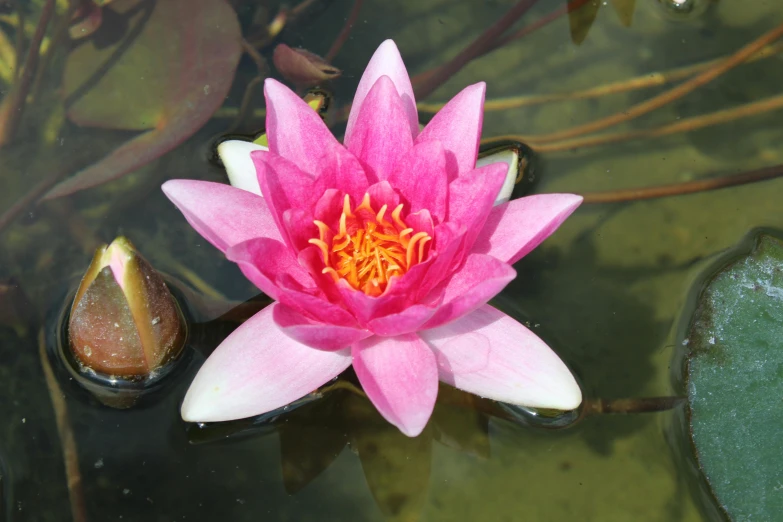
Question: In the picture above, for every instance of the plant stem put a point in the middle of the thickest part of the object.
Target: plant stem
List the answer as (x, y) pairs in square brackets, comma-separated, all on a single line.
[(344, 32), (427, 84), (67, 439), (546, 20), (668, 96), (688, 124), (689, 187), (627, 406), (12, 106), (17, 4), (631, 84)]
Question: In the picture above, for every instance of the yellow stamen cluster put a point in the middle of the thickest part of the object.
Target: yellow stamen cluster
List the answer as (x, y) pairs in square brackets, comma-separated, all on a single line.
[(370, 247)]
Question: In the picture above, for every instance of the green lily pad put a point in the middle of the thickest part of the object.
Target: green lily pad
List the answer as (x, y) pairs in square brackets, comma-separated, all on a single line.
[(735, 383), (167, 74)]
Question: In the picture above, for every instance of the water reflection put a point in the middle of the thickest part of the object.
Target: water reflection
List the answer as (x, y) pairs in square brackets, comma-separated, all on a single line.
[(313, 433)]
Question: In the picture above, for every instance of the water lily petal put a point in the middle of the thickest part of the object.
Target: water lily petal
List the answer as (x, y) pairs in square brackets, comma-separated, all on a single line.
[(341, 170), (263, 260), (222, 214), (490, 354), (295, 131), (380, 136), (256, 369), (400, 376), (407, 321), (515, 228), (421, 178), (480, 279), (382, 193), (235, 155), (472, 196), (282, 182), (511, 159), (314, 334), (385, 62), (313, 305), (458, 127)]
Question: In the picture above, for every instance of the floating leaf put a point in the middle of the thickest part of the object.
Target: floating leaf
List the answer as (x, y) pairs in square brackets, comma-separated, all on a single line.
[(169, 72), (581, 16), (735, 383)]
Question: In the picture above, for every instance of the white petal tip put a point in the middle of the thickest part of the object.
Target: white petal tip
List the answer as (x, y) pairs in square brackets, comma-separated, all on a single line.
[(235, 155), (511, 159)]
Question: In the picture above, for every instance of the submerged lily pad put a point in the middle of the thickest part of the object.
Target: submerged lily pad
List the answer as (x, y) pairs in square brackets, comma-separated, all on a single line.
[(167, 74), (735, 383)]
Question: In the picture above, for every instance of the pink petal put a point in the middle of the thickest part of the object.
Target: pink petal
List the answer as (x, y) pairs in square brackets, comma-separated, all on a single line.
[(472, 196), (313, 260), (257, 369), (380, 137), (365, 307), (294, 130), (329, 207), (314, 334), (490, 354), (421, 178), (288, 182), (300, 227), (480, 279), (449, 239), (263, 260), (515, 228), (342, 171), (407, 321), (223, 215), (382, 193), (400, 376), (385, 62), (314, 306), (457, 126)]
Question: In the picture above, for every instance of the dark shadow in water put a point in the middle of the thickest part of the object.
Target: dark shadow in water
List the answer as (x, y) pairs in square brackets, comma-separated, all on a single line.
[(586, 313)]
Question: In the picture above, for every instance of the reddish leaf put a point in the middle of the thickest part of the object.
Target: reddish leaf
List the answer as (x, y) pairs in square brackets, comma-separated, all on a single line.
[(169, 73)]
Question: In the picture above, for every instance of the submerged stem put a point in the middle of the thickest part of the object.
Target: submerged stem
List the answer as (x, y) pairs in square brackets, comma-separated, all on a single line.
[(689, 187), (342, 37), (67, 439), (667, 97), (424, 85), (12, 106)]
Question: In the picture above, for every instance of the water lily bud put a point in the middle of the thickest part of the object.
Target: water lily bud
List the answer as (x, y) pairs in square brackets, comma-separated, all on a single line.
[(301, 67), (124, 322)]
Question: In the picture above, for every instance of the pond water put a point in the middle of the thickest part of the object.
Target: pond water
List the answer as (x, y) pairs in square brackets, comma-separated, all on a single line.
[(608, 291)]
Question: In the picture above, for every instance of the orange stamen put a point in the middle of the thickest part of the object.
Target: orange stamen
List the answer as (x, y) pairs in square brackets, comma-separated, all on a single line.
[(375, 250)]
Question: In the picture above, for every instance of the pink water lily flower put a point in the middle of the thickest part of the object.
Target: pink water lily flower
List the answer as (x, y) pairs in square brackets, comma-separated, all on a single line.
[(381, 253)]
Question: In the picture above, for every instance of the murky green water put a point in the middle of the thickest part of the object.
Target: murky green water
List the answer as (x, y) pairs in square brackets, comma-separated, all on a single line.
[(607, 291)]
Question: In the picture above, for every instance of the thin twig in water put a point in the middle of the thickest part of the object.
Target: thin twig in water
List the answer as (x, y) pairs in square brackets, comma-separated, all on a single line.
[(688, 187), (668, 96), (13, 104), (631, 84), (20, 20), (426, 85), (538, 24), (256, 57), (344, 32), (67, 439), (633, 405), (685, 125), (247, 100)]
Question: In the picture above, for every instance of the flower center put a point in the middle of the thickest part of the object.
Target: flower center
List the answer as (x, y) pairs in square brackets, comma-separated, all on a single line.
[(370, 247)]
